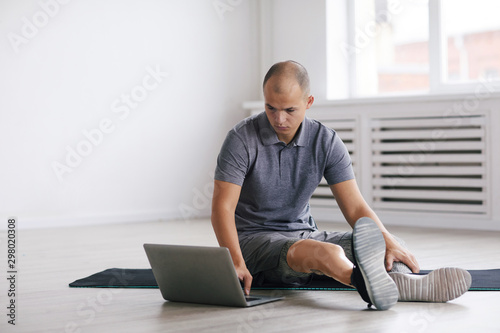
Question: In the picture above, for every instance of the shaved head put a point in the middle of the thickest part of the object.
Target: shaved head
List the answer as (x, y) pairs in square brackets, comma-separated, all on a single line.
[(285, 71)]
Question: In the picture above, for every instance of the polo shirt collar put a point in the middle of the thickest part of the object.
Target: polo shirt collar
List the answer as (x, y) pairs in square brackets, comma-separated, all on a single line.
[(269, 137), (301, 138)]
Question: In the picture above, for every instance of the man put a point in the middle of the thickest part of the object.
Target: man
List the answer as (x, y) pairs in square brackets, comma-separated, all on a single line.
[(267, 170)]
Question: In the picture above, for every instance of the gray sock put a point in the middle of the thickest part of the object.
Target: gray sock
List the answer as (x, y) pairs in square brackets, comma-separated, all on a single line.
[(399, 267)]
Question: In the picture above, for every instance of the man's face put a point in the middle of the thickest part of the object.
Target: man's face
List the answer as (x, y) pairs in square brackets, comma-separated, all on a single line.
[(286, 108)]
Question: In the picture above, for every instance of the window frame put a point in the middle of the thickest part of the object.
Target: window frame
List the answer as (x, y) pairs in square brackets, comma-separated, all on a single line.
[(438, 64)]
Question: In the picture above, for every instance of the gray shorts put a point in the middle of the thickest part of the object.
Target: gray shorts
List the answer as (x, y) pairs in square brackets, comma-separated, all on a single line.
[(265, 254)]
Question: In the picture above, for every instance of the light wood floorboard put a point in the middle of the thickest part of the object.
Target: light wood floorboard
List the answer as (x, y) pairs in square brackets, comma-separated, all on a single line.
[(52, 258)]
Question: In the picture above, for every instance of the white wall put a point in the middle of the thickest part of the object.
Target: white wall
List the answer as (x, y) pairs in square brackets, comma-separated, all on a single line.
[(297, 31), (65, 69)]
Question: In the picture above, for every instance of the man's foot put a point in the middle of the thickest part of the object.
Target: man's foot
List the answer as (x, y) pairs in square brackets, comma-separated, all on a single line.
[(440, 285), (369, 276)]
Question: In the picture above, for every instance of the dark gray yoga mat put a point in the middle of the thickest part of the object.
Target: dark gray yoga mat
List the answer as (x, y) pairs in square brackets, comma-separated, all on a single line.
[(483, 279)]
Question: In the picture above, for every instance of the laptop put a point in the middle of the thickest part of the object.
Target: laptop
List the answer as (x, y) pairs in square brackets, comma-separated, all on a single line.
[(199, 274)]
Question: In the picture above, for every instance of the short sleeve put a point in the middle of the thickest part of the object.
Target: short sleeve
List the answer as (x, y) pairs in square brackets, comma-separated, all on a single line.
[(338, 165), (233, 160)]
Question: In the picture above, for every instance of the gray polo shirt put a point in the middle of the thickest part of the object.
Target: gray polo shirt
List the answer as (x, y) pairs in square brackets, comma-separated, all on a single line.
[(277, 180)]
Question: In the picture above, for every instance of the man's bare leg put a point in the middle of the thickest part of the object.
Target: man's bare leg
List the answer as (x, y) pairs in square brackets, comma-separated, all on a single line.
[(312, 256), (367, 274), (441, 285)]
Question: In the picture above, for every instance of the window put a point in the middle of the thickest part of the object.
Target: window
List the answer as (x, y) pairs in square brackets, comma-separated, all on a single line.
[(388, 47), (471, 33)]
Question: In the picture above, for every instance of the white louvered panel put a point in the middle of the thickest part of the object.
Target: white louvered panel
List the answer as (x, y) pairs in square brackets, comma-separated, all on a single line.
[(429, 182), (430, 164), (350, 147), (430, 134), (340, 125), (346, 136), (439, 121), (347, 131), (431, 195), (323, 191), (427, 147), (428, 158), (412, 170), (437, 207)]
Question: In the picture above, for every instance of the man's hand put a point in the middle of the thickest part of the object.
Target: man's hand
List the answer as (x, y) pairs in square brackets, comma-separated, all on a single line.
[(245, 277), (224, 203), (396, 253)]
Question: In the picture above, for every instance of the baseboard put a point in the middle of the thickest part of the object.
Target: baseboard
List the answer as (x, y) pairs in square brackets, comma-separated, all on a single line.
[(38, 222)]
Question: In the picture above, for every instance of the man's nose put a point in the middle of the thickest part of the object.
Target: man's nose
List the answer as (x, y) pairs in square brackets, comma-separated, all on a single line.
[(280, 117)]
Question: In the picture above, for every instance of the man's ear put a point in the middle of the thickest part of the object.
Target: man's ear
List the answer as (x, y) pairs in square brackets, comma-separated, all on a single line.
[(310, 101)]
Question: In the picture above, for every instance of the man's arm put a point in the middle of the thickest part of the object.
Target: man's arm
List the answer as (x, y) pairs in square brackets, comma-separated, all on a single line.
[(353, 206), (224, 203)]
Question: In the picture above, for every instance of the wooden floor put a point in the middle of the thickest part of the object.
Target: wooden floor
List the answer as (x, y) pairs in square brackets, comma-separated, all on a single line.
[(52, 258)]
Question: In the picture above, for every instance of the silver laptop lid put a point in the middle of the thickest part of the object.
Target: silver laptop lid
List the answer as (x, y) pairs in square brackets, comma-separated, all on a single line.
[(195, 274)]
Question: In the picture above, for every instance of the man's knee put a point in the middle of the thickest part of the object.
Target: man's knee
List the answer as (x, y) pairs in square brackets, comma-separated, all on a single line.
[(310, 255)]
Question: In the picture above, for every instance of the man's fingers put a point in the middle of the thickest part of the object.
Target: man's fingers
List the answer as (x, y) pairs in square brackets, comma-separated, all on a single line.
[(413, 264), (247, 281), (388, 262), (248, 285), (246, 278), (408, 260)]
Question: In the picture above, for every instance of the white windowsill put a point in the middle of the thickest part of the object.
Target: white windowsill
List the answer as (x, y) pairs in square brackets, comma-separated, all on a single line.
[(251, 105)]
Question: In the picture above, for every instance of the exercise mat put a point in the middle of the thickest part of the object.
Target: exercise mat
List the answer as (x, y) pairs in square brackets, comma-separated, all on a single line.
[(483, 279)]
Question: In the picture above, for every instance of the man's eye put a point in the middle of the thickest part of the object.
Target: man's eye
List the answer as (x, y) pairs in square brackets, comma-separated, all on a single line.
[(290, 110)]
